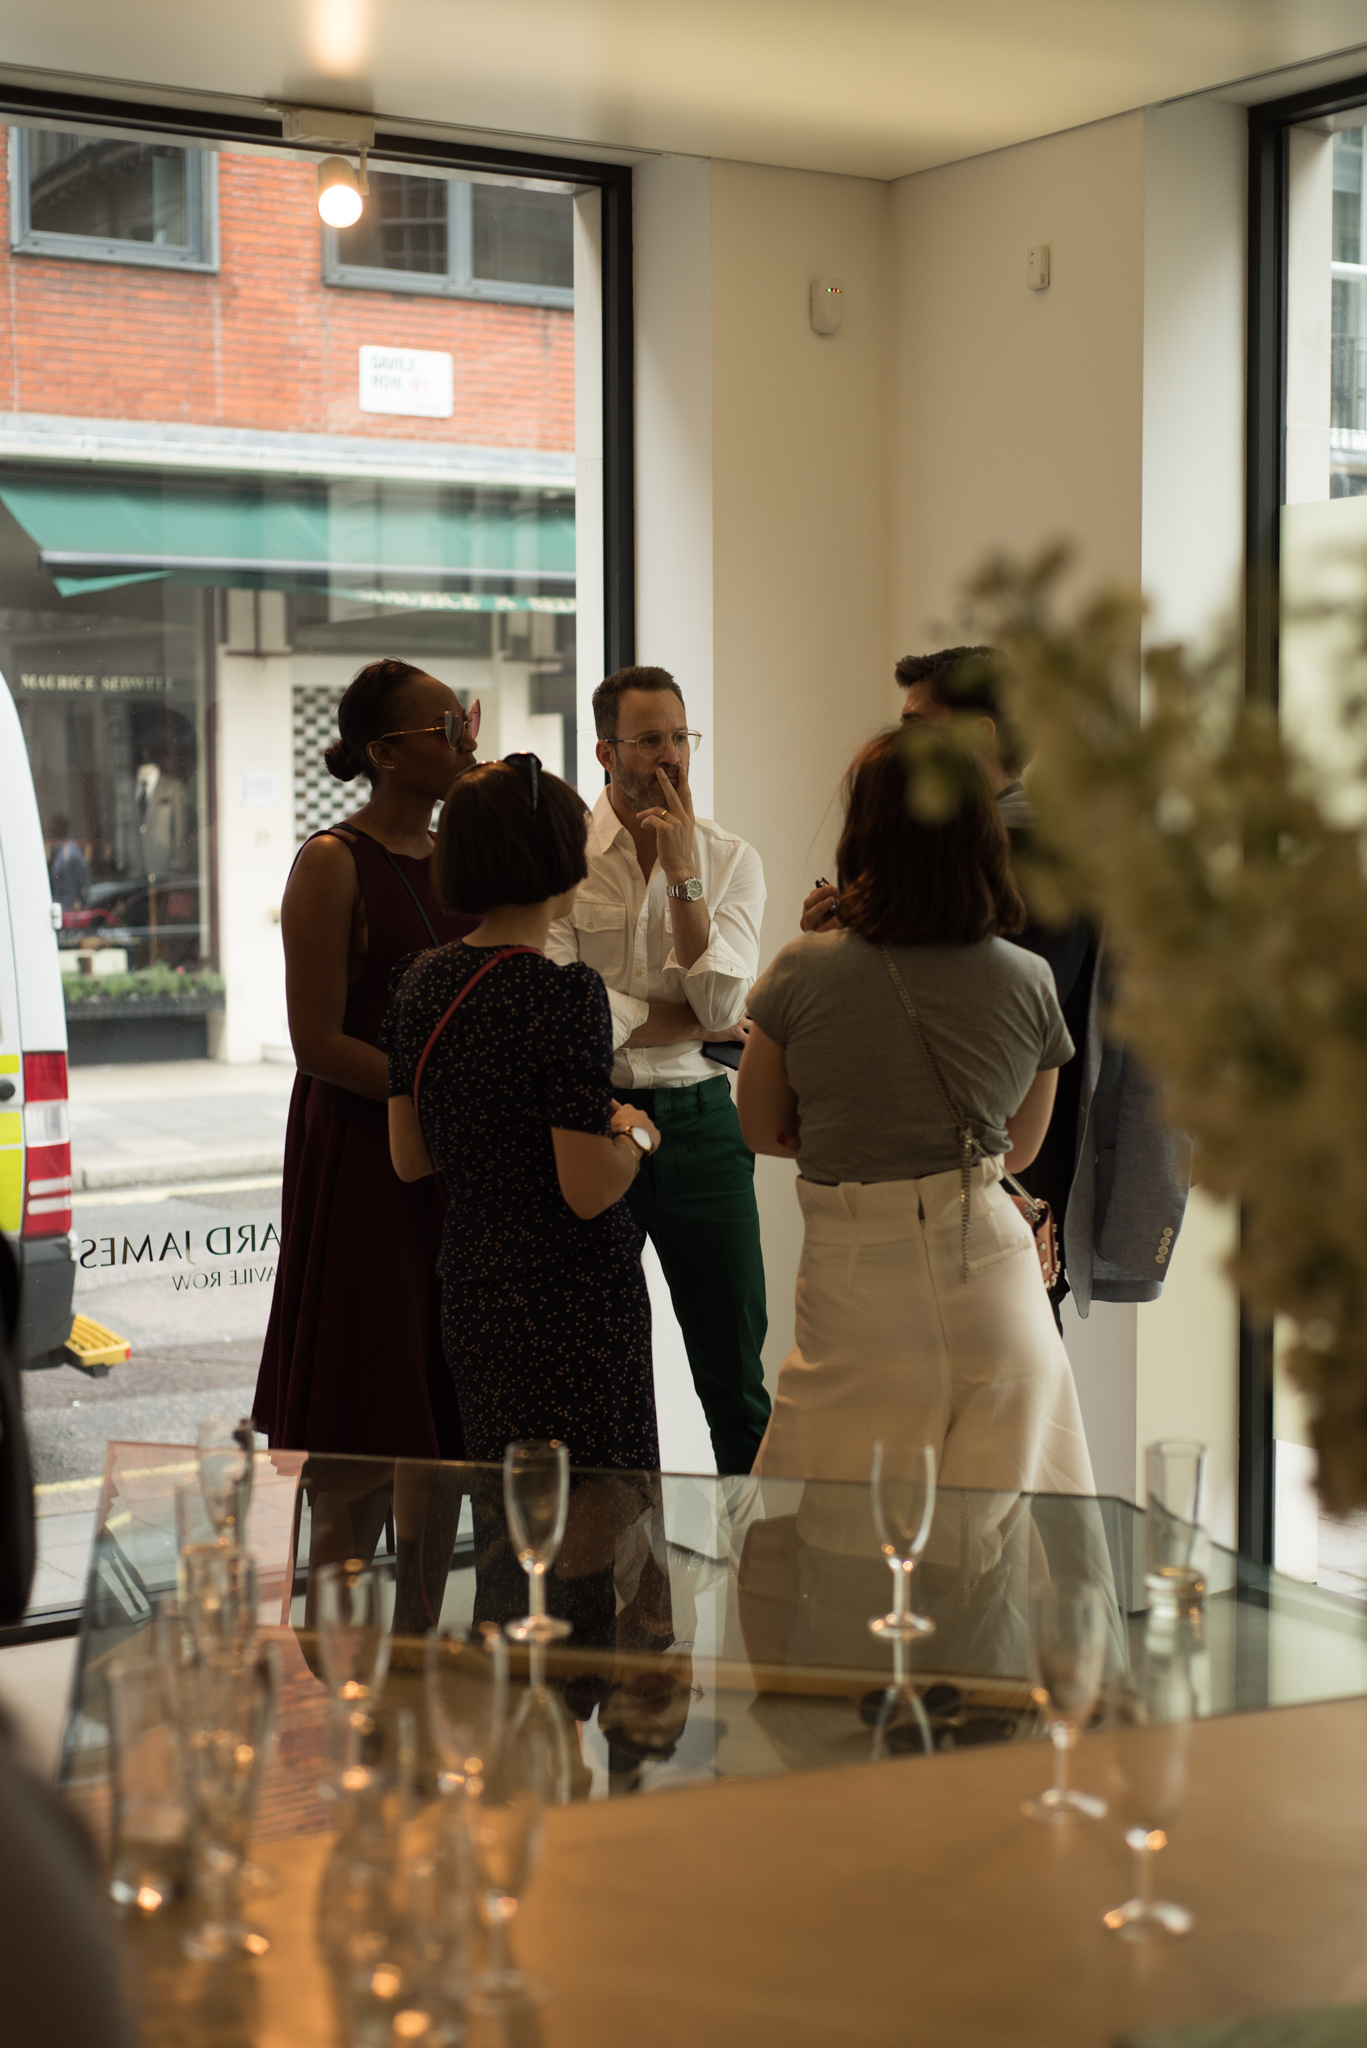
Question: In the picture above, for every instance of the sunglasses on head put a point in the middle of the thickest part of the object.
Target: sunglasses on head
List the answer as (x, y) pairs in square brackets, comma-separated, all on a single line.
[(532, 764)]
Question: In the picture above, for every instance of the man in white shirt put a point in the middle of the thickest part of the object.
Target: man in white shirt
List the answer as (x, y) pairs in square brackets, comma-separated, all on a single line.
[(670, 917)]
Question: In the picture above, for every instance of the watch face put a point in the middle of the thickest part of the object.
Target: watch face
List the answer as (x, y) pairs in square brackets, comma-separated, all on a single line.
[(640, 1137), (690, 890)]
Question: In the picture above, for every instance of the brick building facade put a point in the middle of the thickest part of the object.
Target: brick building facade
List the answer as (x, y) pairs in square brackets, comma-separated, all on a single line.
[(263, 342)]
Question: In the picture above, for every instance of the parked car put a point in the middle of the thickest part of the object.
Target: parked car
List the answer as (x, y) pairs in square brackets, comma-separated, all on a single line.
[(35, 1137), (155, 921)]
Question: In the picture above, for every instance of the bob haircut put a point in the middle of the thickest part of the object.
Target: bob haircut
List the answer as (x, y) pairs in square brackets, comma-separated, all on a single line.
[(905, 881), (493, 848)]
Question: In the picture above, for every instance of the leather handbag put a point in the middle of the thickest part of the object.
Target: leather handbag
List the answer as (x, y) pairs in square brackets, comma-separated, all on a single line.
[(1037, 1214)]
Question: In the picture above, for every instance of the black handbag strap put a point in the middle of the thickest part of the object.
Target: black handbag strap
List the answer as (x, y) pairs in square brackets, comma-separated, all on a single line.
[(421, 906)]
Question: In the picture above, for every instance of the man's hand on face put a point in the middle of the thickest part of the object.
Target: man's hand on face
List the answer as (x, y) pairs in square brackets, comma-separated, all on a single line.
[(672, 823)]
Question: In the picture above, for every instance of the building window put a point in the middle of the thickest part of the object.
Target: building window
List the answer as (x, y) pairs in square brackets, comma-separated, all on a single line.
[(1348, 360), (107, 201), (509, 242)]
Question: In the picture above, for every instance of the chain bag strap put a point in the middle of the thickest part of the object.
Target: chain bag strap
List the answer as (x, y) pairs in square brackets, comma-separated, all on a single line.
[(1037, 1214)]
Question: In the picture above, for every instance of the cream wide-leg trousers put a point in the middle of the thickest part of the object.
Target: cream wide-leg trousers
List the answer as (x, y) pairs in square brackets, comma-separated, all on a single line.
[(893, 1342)]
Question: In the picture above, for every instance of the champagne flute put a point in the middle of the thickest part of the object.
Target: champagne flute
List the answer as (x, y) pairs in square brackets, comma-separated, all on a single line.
[(1068, 1626), (353, 1638), (231, 1711), (504, 1828), (902, 1487), (220, 1598), (536, 1498), (466, 1681), (1148, 1775), (225, 1452)]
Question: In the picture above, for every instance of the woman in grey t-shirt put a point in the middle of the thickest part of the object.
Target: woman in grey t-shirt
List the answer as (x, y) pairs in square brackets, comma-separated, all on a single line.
[(894, 1338)]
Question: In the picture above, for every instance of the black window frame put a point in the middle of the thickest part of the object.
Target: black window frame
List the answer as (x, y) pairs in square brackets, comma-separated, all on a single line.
[(458, 281), (1269, 126), (22, 105), (200, 253)]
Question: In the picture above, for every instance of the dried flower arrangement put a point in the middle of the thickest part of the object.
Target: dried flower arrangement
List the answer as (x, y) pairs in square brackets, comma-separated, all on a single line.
[(1235, 910)]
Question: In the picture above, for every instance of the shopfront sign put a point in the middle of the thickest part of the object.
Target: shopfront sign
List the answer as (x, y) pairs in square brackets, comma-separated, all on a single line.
[(417, 382), (108, 686)]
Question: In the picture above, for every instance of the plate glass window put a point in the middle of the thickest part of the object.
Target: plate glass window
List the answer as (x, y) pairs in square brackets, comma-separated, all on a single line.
[(200, 547)]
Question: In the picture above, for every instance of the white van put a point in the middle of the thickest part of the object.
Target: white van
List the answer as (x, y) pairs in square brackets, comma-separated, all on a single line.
[(35, 1137)]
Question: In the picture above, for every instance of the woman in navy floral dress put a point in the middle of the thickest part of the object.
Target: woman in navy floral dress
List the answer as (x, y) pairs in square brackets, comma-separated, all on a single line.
[(545, 1313)]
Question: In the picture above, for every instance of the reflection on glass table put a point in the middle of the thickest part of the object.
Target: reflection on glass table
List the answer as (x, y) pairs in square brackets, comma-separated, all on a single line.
[(719, 1626)]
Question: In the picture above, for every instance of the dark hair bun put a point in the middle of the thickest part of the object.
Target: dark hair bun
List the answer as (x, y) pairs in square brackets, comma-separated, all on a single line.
[(369, 709), (340, 761)]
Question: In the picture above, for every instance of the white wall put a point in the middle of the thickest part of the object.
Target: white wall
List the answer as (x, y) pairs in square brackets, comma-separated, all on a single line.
[(672, 224), (762, 537), (1106, 411), (1016, 415), (1195, 283)]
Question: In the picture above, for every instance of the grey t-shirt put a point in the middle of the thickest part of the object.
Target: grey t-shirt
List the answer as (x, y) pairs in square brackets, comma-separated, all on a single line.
[(869, 1104)]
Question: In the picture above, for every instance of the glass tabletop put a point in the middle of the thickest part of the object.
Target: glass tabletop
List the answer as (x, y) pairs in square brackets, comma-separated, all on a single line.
[(719, 1626)]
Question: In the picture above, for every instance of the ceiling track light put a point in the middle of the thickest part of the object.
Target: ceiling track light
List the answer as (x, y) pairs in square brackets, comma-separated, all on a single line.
[(341, 189), (341, 192)]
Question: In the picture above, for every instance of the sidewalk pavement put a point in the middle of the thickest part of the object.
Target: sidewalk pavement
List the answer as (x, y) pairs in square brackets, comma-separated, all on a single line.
[(176, 1120)]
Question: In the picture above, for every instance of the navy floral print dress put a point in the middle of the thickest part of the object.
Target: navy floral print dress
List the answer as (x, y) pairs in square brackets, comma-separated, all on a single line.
[(545, 1317)]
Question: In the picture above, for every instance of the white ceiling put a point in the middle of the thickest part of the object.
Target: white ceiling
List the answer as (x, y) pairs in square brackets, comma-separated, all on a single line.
[(874, 87)]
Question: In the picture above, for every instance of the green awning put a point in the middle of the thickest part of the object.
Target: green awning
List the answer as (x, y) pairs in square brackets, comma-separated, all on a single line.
[(94, 531)]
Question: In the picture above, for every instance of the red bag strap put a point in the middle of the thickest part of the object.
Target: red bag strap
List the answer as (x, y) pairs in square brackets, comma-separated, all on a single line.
[(504, 953)]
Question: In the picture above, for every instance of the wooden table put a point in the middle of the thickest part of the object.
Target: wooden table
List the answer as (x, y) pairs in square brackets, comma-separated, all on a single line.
[(896, 1903)]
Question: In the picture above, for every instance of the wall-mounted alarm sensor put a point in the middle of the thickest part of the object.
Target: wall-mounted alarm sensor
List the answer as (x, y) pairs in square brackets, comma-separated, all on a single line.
[(828, 304)]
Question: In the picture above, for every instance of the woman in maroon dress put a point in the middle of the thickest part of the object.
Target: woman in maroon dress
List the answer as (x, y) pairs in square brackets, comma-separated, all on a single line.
[(353, 1353)]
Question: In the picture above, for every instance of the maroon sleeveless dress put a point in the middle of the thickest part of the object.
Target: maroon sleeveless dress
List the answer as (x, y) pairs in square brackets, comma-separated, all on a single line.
[(353, 1354)]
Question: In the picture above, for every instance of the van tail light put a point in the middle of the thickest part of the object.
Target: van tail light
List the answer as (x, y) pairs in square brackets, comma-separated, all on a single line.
[(47, 1146)]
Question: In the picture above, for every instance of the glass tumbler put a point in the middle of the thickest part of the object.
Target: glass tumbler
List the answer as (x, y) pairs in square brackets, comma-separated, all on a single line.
[(1175, 1544), (150, 1846)]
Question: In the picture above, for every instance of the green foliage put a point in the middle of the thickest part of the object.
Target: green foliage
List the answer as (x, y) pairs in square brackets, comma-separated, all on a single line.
[(1235, 910), (156, 980)]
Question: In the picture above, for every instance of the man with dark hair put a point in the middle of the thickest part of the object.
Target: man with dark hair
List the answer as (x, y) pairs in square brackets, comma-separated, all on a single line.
[(1114, 1174), (670, 917), (963, 684)]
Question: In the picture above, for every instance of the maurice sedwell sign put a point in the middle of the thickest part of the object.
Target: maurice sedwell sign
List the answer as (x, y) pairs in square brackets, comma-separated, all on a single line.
[(417, 382)]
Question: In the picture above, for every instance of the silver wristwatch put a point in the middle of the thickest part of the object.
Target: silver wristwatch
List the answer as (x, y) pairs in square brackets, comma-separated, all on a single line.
[(685, 892)]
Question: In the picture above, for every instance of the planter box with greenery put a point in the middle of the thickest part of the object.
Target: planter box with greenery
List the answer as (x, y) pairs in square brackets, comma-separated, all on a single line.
[(156, 991)]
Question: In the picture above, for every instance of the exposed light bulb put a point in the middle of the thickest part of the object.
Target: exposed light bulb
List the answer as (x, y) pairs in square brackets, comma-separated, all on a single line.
[(339, 192)]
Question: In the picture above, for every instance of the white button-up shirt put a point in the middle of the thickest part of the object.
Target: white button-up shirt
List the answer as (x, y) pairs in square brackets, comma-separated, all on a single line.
[(621, 926)]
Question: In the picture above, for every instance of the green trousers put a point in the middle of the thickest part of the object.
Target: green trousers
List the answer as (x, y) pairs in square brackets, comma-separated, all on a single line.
[(695, 1201)]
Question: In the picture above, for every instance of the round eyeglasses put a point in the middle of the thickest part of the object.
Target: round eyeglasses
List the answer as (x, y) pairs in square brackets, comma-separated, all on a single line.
[(653, 744), (455, 725)]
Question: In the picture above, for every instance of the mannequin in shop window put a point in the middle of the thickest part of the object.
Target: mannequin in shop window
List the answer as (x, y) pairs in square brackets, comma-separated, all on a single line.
[(353, 1354)]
